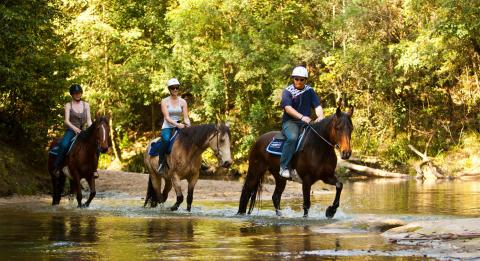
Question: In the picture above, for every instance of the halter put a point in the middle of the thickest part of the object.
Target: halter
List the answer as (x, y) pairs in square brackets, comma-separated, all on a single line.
[(336, 146), (217, 132)]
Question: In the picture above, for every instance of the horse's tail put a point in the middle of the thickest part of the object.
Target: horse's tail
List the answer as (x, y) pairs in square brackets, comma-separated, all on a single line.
[(151, 195), (252, 189)]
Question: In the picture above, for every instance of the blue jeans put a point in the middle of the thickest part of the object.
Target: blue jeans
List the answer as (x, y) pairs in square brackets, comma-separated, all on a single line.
[(63, 147), (291, 130), (166, 135)]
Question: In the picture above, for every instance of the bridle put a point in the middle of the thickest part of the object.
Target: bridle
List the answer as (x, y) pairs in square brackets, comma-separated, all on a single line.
[(336, 146), (217, 132)]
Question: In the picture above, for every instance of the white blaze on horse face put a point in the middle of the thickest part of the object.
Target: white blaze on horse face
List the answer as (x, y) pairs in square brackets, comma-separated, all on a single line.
[(104, 133), (221, 144)]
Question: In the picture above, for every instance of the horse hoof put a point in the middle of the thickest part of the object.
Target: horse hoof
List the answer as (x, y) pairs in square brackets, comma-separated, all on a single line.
[(174, 208), (330, 212), (241, 213), (278, 212)]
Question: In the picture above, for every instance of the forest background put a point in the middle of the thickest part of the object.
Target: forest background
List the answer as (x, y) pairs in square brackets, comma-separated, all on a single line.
[(409, 67)]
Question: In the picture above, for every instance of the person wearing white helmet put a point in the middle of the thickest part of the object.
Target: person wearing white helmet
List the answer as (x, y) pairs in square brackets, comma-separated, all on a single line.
[(173, 108), (298, 100)]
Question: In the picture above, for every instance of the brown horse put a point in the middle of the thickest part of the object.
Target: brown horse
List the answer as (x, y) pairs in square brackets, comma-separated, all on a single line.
[(316, 161), (184, 162), (81, 161)]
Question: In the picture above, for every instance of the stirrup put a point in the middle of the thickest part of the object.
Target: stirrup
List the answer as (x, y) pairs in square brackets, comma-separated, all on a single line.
[(295, 177), (67, 172), (160, 169), (95, 174)]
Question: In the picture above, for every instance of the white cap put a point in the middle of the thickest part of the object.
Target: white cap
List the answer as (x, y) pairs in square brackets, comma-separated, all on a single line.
[(172, 81), (300, 71)]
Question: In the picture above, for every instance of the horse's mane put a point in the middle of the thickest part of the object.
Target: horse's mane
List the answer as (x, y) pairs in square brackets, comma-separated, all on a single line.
[(198, 134), (86, 134)]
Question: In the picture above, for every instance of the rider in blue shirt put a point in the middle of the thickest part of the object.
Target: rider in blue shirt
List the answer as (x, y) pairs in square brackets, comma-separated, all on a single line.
[(298, 100)]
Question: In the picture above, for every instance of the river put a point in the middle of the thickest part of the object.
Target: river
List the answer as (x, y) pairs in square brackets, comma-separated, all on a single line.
[(117, 227)]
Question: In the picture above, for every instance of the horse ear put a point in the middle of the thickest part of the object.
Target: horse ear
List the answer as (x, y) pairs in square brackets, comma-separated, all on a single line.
[(339, 102), (338, 113), (350, 111)]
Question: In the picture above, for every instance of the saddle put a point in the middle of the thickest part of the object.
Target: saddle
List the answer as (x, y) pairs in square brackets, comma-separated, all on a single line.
[(157, 143), (54, 150), (275, 146)]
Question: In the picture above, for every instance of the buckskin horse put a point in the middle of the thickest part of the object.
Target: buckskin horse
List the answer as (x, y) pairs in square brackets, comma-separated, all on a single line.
[(81, 161), (184, 162), (316, 161)]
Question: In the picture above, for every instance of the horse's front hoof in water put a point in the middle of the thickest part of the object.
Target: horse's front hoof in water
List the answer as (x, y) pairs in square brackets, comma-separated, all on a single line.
[(331, 210), (174, 208), (278, 212)]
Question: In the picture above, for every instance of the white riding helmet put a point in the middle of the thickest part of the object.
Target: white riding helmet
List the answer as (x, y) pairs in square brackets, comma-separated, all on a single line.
[(172, 81), (300, 71)]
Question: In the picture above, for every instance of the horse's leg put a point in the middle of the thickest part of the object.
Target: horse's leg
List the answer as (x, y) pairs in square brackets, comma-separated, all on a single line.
[(280, 184), (178, 191), (336, 202), (306, 187), (156, 192), (78, 189), (191, 187), (166, 189), (93, 192)]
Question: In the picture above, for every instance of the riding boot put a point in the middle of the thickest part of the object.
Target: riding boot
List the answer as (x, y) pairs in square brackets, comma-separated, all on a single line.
[(161, 164)]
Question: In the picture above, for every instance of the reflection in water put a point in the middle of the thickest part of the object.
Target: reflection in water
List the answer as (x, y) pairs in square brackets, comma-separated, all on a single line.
[(120, 230), (73, 228)]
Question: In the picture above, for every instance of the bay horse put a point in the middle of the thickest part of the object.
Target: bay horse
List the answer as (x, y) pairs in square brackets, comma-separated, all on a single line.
[(315, 161), (81, 161), (184, 162)]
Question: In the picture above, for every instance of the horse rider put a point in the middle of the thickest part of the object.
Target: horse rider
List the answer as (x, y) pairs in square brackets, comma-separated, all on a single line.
[(298, 99), (77, 118), (173, 108)]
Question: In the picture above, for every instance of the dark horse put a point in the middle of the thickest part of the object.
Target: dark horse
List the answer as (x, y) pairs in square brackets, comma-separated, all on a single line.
[(81, 161), (316, 161), (184, 162)]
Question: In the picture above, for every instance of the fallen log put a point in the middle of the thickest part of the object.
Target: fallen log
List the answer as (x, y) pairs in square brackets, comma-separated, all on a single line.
[(369, 172)]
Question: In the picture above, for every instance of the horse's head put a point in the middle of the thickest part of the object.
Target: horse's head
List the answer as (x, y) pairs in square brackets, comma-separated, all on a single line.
[(102, 132), (220, 144), (340, 131)]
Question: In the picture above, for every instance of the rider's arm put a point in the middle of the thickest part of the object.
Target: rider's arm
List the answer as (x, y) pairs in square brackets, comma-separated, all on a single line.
[(293, 113), (166, 115), (319, 113), (186, 119), (89, 117), (67, 119)]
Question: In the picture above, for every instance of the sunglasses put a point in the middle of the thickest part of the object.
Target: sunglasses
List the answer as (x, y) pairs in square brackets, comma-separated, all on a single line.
[(174, 88), (299, 79)]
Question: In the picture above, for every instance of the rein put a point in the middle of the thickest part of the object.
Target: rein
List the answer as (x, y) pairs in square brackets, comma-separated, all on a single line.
[(336, 146)]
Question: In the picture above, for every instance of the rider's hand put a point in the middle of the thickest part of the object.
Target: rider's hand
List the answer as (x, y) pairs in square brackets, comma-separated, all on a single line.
[(318, 119), (77, 130), (306, 119), (181, 126)]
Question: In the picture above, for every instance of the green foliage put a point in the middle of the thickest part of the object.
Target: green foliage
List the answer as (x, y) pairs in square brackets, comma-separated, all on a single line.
[(410, 67)]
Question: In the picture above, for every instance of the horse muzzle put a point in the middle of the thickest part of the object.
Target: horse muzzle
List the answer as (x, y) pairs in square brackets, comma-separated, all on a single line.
[(226, 164), (345, 154)]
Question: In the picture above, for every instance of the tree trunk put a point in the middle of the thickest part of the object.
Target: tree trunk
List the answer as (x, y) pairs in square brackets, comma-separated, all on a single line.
[(369, 172), (115, 148)]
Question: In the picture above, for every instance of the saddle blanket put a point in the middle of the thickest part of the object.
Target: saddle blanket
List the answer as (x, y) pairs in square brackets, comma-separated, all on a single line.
[(157, 144), (54, 150), (275, 146)]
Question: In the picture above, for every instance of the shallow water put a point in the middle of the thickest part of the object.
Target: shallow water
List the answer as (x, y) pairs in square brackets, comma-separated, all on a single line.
[(116, 227)]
